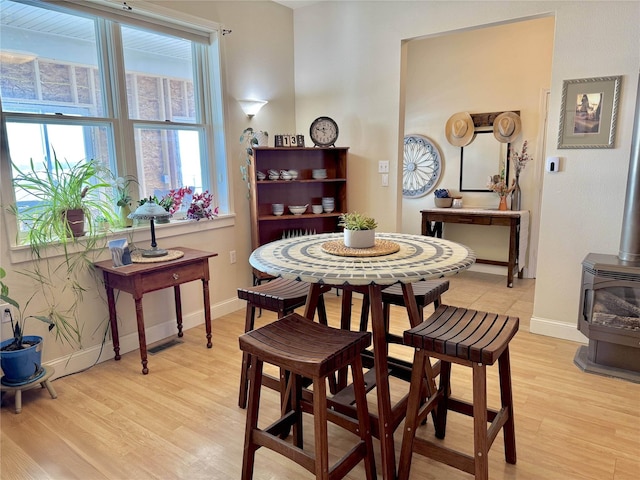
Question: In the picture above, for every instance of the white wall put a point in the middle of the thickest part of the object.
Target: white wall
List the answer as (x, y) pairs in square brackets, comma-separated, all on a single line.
[(258, 56), (474, 71), (348, 65)]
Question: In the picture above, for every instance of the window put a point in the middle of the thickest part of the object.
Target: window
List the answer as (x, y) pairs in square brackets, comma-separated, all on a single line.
[(138, 92)]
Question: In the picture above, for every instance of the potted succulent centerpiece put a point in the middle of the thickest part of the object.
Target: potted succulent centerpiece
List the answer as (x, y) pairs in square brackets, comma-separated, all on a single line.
[(21, 355), (359, 230)]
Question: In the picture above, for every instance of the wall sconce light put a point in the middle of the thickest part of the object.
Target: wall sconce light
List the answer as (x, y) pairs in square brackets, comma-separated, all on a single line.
[(150, 211), (251, 107)]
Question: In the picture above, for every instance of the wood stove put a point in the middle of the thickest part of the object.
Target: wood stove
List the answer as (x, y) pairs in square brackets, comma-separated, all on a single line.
[(610, 317), (610, 291)]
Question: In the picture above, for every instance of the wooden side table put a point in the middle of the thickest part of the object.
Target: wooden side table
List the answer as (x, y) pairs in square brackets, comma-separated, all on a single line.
[(43, 381), (140, 278)]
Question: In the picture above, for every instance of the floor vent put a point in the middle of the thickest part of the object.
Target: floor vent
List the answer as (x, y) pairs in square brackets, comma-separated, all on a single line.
[(163, 346)]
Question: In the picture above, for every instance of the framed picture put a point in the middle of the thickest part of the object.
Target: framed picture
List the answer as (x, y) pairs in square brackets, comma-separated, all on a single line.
[(589, 112)]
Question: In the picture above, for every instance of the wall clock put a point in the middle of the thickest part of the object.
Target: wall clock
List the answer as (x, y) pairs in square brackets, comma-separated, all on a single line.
[(421, 166), (324, 132)]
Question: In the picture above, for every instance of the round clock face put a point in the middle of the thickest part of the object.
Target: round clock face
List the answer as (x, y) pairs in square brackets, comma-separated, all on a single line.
[(422, 165), (324, 132)]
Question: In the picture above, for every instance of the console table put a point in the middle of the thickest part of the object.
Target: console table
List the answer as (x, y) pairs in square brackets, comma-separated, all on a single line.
[(140, 278), (517, 221)]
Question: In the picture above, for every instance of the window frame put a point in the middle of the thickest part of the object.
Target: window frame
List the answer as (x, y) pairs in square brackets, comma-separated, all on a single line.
[(209, 72)]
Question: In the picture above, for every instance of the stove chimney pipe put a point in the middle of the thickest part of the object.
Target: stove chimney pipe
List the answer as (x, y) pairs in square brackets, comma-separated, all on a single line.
[(630, 238)]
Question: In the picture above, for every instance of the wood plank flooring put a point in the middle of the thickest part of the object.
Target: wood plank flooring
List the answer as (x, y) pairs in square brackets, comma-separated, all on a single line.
[(182, 420)]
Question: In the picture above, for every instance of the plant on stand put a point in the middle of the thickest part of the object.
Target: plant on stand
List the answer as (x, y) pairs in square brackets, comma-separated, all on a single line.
[(20, 356), (359, 230), (61, 260), (520, 161)]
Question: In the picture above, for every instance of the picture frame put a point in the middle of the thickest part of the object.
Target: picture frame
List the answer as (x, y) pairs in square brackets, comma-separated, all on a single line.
[(589, 111)]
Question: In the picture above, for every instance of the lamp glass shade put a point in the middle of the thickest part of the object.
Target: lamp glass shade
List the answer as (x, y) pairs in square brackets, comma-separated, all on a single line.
[(150, 211)]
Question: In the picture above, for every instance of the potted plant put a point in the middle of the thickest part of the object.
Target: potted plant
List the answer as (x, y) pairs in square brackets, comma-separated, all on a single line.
[(124, 199), (359, 230), (61, 260), (20, 356), (251, 138), (66, 198), (443, 199)]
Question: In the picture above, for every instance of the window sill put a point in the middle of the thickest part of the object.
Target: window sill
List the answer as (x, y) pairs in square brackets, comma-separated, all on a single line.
[(140, 234)]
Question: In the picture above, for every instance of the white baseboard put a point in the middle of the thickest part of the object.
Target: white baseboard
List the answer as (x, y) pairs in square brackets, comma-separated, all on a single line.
[(88, 357), (556, 329)]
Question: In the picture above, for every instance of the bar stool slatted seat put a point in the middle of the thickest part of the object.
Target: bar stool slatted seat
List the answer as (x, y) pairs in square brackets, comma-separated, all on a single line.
[(425, 292), (473, 339), (283, 297), (307, 350)]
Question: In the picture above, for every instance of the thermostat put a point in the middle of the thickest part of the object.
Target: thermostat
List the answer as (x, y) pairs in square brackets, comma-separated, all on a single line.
[(553, 164)]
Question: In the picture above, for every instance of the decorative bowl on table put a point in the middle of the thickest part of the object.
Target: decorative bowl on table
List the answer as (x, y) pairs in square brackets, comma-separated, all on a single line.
[(443, 202), (298, 209)]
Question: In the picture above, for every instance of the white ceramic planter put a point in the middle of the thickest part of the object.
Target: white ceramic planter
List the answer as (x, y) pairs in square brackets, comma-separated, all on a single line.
[(359, 238)]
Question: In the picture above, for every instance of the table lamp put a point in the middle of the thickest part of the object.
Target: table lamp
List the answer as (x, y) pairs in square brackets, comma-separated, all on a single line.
[(150, 211)]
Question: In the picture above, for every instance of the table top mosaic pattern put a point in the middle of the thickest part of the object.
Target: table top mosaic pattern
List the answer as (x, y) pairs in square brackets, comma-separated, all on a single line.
[(419, 258)]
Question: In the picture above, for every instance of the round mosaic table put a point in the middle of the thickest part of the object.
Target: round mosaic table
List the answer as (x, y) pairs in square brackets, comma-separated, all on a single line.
[(418, 258)]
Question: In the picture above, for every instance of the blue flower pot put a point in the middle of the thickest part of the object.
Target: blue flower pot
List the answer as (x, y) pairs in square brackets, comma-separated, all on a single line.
[(19, 365)]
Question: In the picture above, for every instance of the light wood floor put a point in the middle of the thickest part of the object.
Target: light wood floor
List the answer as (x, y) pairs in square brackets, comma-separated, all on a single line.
[(182, 420)]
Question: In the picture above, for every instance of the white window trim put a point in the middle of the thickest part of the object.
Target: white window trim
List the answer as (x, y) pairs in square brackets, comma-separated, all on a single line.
[(20, 253)]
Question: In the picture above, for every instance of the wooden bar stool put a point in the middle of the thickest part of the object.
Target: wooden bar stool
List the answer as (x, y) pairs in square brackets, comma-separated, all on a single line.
[(280, 296), (473, 339), (425, 292), (307, 350)]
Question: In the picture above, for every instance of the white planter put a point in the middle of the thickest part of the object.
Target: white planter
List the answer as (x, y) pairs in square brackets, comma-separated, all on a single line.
[(359, 238)]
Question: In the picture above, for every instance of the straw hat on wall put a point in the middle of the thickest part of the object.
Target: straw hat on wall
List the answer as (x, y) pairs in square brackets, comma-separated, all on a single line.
[(506, 127), (460, 129)]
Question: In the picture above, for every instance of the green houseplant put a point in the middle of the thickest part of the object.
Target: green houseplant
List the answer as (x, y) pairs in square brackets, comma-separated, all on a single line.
[(66, 197), (20, 356), (249, 139), (61, 260), (359, 230)]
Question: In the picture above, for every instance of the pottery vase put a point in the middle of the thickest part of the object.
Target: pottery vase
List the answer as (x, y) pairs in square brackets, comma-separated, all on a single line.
[(125, 221), (503, 203), (516, 195)]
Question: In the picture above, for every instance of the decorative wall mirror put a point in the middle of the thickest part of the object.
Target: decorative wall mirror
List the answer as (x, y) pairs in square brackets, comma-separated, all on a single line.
[(480, 160)]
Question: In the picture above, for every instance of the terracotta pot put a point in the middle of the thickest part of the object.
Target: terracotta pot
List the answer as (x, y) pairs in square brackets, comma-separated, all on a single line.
[(75, 220), (503, 203)]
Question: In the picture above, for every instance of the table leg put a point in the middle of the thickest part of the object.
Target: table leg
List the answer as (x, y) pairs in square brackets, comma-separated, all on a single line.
[(142, 338), (207, 310), (113, 320), (513, 253), (178, 302), (385, 417)]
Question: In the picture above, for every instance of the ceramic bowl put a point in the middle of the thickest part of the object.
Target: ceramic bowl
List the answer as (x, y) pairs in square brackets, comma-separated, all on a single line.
[(319, 173), (277, 208), (294, 174), (298, 209), (261, 175), (316, 208), (284, 175)]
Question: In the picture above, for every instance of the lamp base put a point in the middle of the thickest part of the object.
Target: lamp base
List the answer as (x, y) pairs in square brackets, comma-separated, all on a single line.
[(154, 252)]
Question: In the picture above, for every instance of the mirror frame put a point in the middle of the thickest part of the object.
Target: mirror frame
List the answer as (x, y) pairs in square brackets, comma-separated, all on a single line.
[(507, 162)]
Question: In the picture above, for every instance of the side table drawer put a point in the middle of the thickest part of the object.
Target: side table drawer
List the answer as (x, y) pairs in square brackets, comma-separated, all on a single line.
[(460, 218), (172, 277)]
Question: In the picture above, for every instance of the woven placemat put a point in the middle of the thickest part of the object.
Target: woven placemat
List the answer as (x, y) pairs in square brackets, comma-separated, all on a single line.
[(136, 257), (381, 247)]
